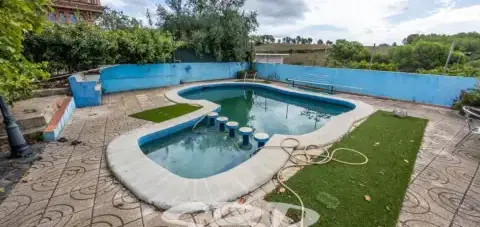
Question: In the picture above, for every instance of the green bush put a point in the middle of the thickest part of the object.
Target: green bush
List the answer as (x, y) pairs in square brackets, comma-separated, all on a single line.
[(469, 97), (374, 66), (456, 70), (241, 74), (474, 64), (70, 48)]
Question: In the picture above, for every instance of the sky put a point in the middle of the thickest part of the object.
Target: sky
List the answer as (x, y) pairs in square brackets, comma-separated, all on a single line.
[(366, 21)]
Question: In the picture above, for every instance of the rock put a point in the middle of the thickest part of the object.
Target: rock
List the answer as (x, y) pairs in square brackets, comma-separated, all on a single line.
[(75, 142), (62, 140), (400, 113)]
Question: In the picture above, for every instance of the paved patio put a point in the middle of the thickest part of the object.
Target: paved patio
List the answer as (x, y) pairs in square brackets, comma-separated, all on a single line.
[(72, 186)]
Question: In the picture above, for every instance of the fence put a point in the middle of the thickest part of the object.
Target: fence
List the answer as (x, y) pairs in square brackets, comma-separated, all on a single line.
[(131, 77), (429, 89)]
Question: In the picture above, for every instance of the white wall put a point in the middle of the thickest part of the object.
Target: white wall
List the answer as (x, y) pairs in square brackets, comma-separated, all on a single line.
[(272, 59)]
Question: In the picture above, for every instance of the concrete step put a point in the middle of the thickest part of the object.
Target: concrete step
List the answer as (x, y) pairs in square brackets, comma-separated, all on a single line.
[(26, 124), (33, 134)]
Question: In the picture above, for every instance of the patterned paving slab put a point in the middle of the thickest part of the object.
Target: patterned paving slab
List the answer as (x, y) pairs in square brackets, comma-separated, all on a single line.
[(72, 186)]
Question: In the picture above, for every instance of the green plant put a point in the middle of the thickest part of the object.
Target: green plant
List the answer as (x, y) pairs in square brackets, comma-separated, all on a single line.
[(455, 70), (241, 74), (470, 97), (374, 66), (220, 28), (16, 72), (70, 48)]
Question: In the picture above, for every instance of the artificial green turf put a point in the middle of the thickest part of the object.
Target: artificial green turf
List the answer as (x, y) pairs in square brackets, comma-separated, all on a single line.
[(337, 191), (165, 113)]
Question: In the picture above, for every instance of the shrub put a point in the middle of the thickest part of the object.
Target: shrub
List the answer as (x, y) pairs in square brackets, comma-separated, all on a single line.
[(374, 66), (456, 70), (470, 97), (241, 74), (70, 48)]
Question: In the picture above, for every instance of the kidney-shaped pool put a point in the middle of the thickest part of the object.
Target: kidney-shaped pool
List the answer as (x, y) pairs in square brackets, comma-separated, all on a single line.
[(168, 163)]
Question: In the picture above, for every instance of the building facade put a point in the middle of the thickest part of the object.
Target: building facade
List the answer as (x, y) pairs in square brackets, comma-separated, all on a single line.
[(73, 11), (270, 58)]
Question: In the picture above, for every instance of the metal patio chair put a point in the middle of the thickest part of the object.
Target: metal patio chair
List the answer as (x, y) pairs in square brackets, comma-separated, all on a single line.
[(472, 115)]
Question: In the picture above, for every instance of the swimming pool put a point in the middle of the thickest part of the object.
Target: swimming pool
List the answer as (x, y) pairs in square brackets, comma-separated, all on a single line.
[(208, 151), (158, 185)]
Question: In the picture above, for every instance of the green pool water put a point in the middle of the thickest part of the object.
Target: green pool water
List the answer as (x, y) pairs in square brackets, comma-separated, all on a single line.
[(208, 152)]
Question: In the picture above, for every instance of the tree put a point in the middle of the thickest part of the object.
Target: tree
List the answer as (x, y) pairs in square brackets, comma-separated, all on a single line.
[(309, 40), (329, 42), (17, 73), (394, 44), (384, 45), (320, 41), (422, 55), (112, 19), (70, 48), (149, 18), (410, 39), (345, 51), (220, 28)]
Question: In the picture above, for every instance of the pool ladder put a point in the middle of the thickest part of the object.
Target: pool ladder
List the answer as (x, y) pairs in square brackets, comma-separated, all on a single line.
[(246, 74)]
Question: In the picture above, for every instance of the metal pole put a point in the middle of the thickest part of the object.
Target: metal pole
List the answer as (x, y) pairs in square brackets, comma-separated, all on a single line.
[(448, 58), (373, 53), (18, 146)]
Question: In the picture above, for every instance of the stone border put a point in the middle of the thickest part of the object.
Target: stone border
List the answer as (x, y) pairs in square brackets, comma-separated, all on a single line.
[(156, 185), (59, 119)]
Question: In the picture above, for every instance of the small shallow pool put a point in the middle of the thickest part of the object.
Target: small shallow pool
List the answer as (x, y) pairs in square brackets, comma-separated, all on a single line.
[(206, 151)]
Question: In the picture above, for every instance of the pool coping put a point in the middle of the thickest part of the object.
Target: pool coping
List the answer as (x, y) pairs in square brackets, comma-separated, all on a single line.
[(156, 185)]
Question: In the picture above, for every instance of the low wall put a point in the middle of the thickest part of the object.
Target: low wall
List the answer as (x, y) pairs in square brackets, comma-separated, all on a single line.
[(87, 91), (423, 88), (59, 119), (132, 77)]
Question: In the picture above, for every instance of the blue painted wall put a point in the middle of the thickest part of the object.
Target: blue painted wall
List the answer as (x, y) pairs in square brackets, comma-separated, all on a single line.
[(430, 89), (131, 77), (86, 93)]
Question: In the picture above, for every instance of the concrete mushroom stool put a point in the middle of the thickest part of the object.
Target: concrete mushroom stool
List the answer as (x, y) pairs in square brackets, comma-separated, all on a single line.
[(246, 132), (211, 118), (221, 123), (232, 126), (261, 138)]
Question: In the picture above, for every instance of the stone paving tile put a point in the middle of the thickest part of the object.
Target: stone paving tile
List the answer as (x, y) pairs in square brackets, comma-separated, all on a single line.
[(72, 186)]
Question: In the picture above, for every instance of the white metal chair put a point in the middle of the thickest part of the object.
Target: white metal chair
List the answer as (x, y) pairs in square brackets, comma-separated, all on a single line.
[(472, 115)]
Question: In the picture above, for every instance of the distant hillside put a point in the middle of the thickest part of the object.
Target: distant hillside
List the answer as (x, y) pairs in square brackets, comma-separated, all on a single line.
[(305, 54), (287, 48)]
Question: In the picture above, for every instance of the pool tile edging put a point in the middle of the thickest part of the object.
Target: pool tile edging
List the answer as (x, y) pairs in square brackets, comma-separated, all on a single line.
[(156, 185)]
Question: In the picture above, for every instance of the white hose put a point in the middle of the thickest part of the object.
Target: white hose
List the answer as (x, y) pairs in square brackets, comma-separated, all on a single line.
[(327, 157)]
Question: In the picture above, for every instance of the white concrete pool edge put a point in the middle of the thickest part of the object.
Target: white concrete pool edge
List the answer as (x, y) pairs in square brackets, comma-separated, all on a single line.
[(156, 185)]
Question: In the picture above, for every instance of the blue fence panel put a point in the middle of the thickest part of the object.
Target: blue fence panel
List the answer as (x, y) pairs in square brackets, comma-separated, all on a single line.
[(429, 89), (132, 77)]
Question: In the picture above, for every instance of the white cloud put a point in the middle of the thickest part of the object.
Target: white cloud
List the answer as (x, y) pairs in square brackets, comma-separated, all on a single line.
[(366, 21)]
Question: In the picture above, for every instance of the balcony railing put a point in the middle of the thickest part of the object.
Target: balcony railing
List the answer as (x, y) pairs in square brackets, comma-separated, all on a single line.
[(87, 5)]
